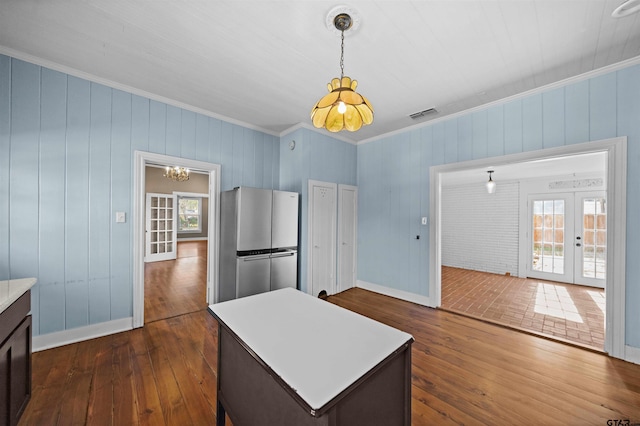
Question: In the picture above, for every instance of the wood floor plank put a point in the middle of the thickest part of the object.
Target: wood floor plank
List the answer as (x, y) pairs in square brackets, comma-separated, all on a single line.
[(174, 409), (201, 409), (124, 401), (100, 405), (149, 411), (49, 379)]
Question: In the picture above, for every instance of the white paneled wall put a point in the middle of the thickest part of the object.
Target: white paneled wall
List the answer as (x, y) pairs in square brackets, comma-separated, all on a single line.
[(480, 230)]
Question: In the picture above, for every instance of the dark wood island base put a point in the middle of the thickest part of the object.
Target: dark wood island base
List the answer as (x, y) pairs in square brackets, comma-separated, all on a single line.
[(251, 392)]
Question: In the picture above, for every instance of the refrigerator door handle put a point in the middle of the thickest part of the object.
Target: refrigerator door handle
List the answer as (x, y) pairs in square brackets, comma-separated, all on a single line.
[(287, 254), (250, 258)]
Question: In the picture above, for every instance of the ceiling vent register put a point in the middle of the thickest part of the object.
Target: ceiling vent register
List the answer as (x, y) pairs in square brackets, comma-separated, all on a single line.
[(421, 114)]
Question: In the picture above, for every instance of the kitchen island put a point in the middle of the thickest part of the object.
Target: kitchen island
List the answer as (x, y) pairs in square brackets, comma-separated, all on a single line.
[(288, 358), (15, 348)]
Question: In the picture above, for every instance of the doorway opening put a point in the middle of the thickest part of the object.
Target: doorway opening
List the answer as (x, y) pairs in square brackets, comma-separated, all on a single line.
[(615, 187), (208, 256), (565, 244), (176, 232)]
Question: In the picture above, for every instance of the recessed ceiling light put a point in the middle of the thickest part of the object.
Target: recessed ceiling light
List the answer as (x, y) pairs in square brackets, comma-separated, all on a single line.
[(629, 7)]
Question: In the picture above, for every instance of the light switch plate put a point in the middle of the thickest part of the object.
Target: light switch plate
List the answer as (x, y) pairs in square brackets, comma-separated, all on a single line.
[(121, 217), (424, 220)]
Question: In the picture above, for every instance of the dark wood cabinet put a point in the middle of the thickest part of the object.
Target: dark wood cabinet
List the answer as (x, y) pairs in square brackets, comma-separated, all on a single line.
[(15, 360)]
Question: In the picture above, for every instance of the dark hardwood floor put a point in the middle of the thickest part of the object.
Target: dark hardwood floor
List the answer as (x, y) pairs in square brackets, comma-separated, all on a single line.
[(465, 371), (176, 287)]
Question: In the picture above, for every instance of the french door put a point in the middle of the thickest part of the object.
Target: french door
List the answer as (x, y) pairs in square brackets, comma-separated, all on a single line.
[(567, 237), (161, 229)]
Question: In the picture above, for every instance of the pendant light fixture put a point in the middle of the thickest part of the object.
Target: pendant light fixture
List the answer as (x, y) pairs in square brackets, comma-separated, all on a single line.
[(342, 108), (491, 185)]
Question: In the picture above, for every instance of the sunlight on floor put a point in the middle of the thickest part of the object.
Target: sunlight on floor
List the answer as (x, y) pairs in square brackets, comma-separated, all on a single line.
[(556, 301), (599, 298)]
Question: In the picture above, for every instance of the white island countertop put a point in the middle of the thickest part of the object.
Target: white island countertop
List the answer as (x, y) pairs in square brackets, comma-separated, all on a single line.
[(316, 347), (11, 290)]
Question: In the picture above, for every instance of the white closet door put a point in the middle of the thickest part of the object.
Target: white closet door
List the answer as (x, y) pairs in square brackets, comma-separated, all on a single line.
[(161, 230), (347, 236), (322, 237)]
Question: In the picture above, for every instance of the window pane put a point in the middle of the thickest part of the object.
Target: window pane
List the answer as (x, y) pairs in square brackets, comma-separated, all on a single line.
[(594, 231), (548, 236), (189, 214)]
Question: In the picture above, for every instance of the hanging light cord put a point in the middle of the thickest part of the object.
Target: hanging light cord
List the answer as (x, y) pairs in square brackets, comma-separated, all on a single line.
[(342, 57)]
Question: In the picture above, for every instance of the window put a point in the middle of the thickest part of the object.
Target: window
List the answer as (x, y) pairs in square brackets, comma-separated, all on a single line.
[(190, 214)]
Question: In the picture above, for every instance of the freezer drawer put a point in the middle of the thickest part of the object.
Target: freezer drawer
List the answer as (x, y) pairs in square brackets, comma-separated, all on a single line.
[(253, 275), (284, 270)]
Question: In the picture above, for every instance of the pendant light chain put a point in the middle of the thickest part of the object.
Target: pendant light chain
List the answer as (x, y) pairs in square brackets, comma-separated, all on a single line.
[(342, 57)]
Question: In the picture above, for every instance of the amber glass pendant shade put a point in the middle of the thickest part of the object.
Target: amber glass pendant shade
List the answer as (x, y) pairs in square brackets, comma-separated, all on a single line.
[(342, 108), (342, 96)]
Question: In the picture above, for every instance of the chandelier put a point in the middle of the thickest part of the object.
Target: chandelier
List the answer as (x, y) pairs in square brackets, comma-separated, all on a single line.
[(179, 174), (342, 108)]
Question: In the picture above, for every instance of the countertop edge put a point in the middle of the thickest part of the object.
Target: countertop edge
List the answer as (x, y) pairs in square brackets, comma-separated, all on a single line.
[(12, 290)]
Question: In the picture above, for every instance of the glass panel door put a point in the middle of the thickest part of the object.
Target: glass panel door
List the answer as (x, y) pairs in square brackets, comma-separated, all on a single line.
[(160, 230), (591, 239), (551, 220)]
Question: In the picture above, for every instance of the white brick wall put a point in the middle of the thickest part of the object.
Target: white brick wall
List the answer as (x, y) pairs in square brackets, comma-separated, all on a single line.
[(480, 230)]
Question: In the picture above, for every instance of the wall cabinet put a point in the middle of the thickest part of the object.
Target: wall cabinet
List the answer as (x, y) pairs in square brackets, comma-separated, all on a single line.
[(15, 359)]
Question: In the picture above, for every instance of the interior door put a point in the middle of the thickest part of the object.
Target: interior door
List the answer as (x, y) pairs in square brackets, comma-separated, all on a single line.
[(568, 237), (347, 236), (161, 231), (322, 237)]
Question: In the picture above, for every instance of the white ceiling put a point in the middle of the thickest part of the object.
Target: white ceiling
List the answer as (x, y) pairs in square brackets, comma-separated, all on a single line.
[(582, 165), (266, 63)]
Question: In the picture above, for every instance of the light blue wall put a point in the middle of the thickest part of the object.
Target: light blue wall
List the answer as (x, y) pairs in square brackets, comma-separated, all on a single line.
[(315, 157), (66, 148), (66, 162), (393, 172)]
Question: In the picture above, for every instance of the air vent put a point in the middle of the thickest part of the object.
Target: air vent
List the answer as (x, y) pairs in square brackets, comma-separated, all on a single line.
[(421, 114)]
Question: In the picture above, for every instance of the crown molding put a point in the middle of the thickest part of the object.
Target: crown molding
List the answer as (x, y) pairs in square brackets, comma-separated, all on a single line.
[(114, 85), (581, 77)]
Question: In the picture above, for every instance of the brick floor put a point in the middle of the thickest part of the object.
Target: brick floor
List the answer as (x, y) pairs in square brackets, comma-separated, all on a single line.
[(567, 312)]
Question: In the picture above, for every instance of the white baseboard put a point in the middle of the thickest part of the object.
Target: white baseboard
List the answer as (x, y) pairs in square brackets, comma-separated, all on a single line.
[(65, 337), (632, 354), (191, 239), (398, 294)]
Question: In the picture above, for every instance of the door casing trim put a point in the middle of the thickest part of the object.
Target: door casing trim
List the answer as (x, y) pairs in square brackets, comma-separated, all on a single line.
[(141, 160), (616, 189)]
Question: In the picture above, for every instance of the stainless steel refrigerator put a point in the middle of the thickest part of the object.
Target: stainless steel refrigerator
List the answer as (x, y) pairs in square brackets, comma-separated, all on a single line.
[(258, 241)]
